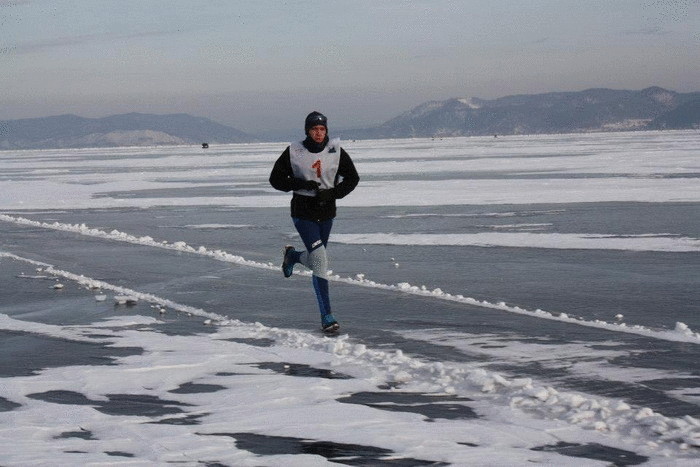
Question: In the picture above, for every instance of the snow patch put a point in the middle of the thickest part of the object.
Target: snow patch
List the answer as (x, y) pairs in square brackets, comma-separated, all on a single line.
[(470, 102), (644, 242)]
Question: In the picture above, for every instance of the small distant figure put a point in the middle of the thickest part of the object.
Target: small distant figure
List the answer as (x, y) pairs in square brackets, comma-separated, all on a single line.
[(205, 145), (495, 136)]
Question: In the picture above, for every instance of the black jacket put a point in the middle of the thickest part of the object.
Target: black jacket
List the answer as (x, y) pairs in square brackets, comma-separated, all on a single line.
[(310, 207)]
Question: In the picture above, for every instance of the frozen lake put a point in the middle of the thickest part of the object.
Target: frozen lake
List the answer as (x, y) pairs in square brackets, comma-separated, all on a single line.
[(502, 300)]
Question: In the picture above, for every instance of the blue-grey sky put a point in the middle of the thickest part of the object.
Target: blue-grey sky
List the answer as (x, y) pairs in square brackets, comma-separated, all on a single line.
[(261, 66)]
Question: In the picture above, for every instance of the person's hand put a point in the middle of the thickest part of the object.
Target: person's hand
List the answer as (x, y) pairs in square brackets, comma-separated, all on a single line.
[(311, 185), (325, 196), (300, 184)]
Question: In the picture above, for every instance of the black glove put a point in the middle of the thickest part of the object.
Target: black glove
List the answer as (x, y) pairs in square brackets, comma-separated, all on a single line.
[(311, 185), (325, 196), (299, 184)]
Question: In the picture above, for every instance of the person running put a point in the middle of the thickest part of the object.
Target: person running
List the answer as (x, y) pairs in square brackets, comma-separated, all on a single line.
[(319, 171)]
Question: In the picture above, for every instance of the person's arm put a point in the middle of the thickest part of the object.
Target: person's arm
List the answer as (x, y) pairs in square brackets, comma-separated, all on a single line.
[(346, 169), (282, 177)]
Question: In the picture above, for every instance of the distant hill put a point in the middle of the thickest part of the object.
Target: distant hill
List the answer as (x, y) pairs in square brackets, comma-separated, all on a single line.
[(133, 129), (685, 116), (560, 112)]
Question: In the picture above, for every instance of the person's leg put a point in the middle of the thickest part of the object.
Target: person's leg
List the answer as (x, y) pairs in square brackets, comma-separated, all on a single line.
[(326, 227), (289, 259), (310, 232), (315, 237)]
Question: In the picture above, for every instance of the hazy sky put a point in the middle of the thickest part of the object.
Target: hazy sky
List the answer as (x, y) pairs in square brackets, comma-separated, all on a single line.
[(262, 65)]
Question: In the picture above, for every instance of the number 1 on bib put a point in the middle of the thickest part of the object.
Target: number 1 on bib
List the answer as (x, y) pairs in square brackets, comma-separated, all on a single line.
[(317, 165)]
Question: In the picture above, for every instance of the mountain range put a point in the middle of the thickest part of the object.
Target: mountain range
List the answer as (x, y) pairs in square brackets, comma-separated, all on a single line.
[(562, 112), (133, 129), (591, 110)]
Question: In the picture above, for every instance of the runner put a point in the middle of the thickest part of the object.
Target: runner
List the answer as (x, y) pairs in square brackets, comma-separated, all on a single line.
[(319, 171)]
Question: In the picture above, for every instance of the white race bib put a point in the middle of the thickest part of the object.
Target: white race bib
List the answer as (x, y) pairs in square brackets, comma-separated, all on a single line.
[(321, 167)]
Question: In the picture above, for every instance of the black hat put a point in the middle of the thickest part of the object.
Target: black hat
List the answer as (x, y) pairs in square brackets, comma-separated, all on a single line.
[(313, 119)]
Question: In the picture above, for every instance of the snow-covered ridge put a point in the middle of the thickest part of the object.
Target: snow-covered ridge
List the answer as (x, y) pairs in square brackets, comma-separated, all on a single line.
[(599, 414), (470, 102), (680, 332)]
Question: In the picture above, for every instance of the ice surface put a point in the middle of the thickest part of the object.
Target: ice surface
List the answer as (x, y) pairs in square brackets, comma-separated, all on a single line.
[(681, 332), (196, 351), (567, 169), (170, 362)]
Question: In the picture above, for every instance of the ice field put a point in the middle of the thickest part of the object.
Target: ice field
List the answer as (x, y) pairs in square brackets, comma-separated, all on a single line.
[(503, 301)]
